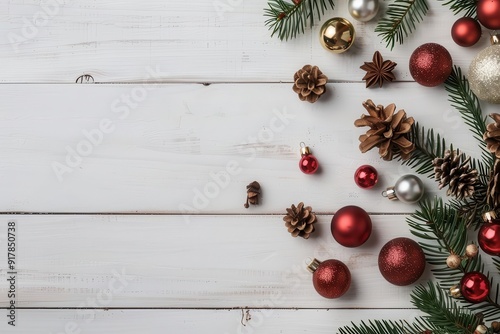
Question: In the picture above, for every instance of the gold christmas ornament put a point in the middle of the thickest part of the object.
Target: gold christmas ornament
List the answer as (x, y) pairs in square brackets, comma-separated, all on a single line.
[(453, 261), (337, 35), (481, 329), (455, 291), (471, 251), (484, 72)]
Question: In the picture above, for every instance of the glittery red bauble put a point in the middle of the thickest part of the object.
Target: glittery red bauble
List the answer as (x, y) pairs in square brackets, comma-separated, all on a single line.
[(332, 279), (401, 261), (466, 31), (430, 64), (475, 287), (488, 13), (489, 238), (351, 226), (308, 164), (366, 176)]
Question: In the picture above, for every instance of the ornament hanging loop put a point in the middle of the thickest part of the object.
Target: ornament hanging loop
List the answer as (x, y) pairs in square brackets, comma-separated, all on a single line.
[(304, 149)]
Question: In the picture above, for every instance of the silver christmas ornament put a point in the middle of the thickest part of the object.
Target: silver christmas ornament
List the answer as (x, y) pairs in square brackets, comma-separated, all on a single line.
[(484, 72), (363, 10), (408, 189)]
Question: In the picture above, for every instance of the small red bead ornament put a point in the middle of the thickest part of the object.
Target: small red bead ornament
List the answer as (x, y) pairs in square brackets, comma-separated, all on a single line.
[(475, 287), (430, 64), (366, 177), (308, 163), (351, 226), (331, 278), (466, 31), (488, 13), (489, 235)]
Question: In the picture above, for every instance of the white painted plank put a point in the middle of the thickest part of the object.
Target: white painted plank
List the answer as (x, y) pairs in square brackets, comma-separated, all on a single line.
[(191, 41), (194, 321), (209, 262), (166, 148)]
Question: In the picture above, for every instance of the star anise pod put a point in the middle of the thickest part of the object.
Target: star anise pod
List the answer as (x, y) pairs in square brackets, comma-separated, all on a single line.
[(378, 71)]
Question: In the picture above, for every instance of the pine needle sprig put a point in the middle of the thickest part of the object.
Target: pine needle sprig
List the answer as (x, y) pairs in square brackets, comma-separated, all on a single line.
[(442, 311), (387, 327), (467, 104), (496, 262), (287, 20), (400, 20), (457, 6)]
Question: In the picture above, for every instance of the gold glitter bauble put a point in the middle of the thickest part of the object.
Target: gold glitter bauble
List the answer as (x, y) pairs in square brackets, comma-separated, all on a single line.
[(484, 72), (337, 35)]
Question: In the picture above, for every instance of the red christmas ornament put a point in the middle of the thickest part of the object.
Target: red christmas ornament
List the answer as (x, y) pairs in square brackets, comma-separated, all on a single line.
[(430, 64), (401, 261), (489, 237), (366, 177), (488, 13), (475, 287), (466, 31), (308, 163), (351, 226), (331, 278)]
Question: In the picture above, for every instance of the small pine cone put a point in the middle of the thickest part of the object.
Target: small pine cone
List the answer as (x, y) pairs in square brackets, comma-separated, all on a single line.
[(492, 135), (309, 83), (389, 131), (453, 170), (493, 191), (300, 220)]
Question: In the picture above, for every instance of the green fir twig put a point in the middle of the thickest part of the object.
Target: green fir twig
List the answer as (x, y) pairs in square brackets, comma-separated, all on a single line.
[(287, 20), (400, 20), (458, 6), (496, 262), (387, 327)]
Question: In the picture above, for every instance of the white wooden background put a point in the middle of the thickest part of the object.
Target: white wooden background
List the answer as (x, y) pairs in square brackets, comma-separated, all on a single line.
[(120, 241)]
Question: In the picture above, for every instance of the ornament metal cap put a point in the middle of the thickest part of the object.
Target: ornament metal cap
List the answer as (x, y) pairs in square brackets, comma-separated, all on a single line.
[(489, 216), (495, 39), (313, 266), (390, 193), (304, 150)]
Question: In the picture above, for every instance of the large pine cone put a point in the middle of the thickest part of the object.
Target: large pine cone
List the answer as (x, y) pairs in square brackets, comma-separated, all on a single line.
[(453, 170), (309, 83), (389, 131), (492, 135), (493, 191), (300, 220)]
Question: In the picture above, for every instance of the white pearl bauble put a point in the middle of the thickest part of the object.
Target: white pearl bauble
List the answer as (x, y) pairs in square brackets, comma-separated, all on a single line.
[(363, 10)]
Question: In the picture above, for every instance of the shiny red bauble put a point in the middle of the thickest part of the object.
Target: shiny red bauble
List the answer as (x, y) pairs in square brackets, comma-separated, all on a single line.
[(366, 177), (308, 164), (332, 279), (475, 287), (430, 64), (401, 261), (488, 13), (351, 226), (489, 237), (466, 31)]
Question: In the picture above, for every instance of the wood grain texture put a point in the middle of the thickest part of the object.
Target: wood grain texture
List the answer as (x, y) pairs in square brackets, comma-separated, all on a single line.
[(193, 148), (190, 41), (208, 262), (194, 321)]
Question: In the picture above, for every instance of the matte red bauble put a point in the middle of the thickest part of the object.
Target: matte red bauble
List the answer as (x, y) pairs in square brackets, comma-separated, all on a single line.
[(331, 278), (308, 164), (466, 31), (401, 261), (475, 287), (489, 237), (430, 64), (351, 226), (488, 13), (366, 177)]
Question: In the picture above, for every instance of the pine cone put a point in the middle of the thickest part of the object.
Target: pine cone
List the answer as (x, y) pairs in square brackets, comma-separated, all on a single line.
[(300, 220), (493, 191), (388, 131), (253, 192), (453, 170), (309, 83), (492, 135)]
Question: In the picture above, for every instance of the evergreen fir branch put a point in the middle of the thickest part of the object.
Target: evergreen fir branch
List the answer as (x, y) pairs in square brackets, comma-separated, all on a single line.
[(287, 20), (466, 102), (388, 327), (400, 20), (496, 262), (457, 6), (442, 311)]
